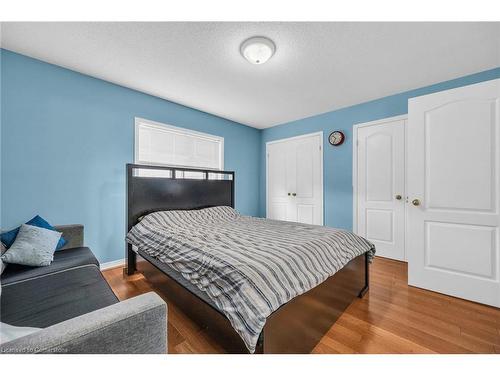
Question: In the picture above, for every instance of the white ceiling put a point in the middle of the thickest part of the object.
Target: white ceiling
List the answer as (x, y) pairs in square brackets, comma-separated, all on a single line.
[(318, 67)]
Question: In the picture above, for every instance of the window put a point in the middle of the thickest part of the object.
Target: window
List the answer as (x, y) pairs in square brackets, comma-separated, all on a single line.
[(160, 144)]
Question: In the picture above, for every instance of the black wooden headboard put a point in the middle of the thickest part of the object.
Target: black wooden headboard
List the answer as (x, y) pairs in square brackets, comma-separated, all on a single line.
[(176, 190)]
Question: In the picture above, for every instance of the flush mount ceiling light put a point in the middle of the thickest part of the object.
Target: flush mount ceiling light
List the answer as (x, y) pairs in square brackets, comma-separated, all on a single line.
[(257, 50)]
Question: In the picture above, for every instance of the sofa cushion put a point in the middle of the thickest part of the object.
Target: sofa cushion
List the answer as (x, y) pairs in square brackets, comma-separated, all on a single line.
[(68, 258), (52, 298)]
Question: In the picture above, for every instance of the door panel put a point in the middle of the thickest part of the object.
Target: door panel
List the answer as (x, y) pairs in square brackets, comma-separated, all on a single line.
[(379, 166), (305, 213), (380, 178), (447, 248), (295, 184), (305, 155), (277, 182), (460, 126), (453, 167), (380, 225), (291, 179), (277, 211), (308, 201)]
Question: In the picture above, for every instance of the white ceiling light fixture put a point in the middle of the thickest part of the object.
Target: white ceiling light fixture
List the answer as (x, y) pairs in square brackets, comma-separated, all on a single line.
[(258, 49)]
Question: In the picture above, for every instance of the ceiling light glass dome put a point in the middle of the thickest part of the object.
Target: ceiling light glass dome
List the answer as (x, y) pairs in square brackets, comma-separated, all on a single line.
[(257, 50)]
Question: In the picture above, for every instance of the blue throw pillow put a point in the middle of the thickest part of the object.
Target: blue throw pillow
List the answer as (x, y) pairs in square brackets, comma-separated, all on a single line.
[(9, 237)]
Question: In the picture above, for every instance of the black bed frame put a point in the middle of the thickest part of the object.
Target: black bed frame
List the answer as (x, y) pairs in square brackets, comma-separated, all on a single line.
[(296, 327)]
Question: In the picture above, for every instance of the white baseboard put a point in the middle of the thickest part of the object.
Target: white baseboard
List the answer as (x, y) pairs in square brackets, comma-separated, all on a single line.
[(112, 264)]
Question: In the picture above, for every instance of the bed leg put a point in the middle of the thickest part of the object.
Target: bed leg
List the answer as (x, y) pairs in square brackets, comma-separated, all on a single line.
[(363, 291), (131, 261), (367, 278), (259, 348)]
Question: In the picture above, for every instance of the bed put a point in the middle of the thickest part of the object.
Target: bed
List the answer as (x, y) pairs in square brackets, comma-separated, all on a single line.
[(258, 285)]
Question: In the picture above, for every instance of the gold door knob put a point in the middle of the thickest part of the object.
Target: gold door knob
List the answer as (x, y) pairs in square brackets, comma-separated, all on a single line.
[(294, 194), (416, 202), (398, 197)]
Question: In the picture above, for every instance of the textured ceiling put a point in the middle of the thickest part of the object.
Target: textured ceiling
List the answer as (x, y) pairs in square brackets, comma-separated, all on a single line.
[(318, 67)]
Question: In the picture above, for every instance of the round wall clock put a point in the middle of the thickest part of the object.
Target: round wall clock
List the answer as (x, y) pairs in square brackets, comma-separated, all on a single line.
[(336, 138)]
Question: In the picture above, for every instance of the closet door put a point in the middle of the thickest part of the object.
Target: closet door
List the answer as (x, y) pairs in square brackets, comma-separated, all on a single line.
[(453, 188), (306, 181), (380, 191), (277, 183), (294, 180)]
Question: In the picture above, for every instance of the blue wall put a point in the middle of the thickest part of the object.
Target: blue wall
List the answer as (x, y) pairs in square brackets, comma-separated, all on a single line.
[(337, 163), (66, 138)]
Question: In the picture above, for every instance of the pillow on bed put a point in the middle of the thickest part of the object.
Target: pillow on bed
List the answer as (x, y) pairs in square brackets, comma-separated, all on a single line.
[(189, 218)]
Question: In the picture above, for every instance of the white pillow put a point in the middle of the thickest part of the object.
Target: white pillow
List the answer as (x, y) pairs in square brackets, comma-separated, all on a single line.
[(9, 333), (34, 246)]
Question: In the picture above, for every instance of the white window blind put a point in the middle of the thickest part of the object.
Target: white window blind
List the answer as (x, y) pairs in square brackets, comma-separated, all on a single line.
[(160, 144)]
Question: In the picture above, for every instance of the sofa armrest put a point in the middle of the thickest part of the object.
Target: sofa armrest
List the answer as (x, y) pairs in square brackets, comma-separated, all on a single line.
[(73, 233), (136, 325)]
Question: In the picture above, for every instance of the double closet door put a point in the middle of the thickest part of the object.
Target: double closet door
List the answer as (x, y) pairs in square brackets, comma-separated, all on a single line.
[(295, 179), (448, 220)]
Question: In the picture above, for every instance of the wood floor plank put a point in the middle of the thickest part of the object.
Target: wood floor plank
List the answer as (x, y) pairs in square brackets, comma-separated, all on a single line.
[(321, 348), (426, 339), (335, 346), (401, 344), (391, 318)]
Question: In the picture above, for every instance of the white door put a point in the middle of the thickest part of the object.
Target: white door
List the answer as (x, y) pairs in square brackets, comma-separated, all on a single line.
[(380, 186), (277, 184), (453, 188), (295, 179)]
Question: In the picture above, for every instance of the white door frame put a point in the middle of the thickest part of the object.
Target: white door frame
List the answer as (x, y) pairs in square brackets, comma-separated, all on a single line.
[(320, 133), (355, 167)]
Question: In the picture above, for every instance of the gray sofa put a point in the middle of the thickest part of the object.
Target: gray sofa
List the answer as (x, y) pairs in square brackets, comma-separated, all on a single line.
[(76, 309)]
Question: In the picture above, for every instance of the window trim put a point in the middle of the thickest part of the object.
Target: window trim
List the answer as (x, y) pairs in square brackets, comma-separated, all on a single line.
[(161, 126)]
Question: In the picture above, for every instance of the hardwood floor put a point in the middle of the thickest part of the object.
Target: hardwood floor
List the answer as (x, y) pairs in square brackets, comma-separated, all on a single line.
[(391, 318)]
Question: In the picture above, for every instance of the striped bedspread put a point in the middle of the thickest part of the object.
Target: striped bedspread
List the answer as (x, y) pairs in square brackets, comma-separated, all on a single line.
[(248, 266)]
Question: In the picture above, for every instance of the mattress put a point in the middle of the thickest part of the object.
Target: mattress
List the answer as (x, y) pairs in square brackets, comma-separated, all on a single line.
[(177, 276), (247, 266)]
